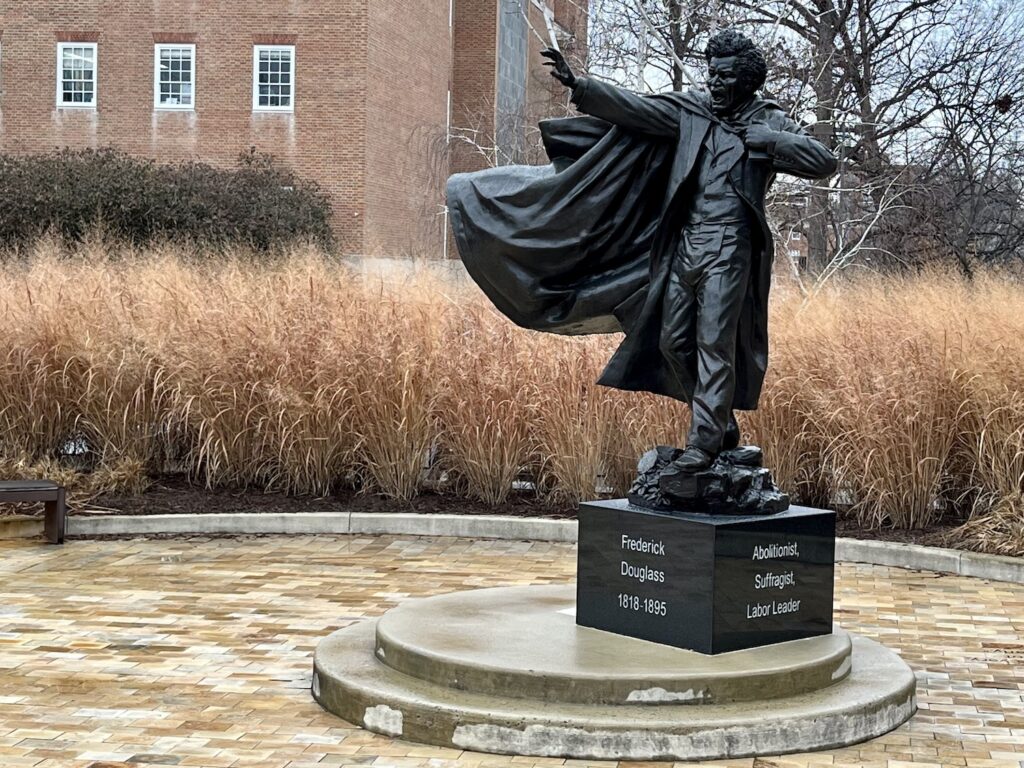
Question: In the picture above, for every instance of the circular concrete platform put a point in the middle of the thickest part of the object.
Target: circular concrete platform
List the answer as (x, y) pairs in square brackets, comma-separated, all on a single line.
[(486, 641), (508, 671)]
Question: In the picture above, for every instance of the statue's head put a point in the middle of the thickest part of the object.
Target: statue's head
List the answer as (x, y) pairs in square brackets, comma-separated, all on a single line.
[(736, 70)]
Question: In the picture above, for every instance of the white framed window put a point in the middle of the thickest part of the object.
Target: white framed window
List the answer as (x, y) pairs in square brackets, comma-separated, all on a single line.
[(273, 78), (174, 76), (76, 75)]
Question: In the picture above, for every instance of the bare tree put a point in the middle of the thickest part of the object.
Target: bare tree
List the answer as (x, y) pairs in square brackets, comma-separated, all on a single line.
[(969, 164), (654, 43), (905, 91)]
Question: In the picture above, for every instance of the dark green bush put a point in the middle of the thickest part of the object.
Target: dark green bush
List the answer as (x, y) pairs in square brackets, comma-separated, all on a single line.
[(72, 192)]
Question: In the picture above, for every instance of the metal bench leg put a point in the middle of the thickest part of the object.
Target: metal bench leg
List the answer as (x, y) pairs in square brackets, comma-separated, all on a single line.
[(56, 519)]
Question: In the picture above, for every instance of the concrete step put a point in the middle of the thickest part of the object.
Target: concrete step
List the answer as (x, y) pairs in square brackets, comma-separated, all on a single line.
[(525, 643)]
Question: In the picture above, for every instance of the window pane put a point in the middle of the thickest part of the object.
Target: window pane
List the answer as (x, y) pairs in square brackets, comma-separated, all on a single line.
[(78, 74), (174, 79), (273, 74)]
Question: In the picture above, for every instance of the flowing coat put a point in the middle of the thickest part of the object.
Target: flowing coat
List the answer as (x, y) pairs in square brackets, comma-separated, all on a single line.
[(584, 245)]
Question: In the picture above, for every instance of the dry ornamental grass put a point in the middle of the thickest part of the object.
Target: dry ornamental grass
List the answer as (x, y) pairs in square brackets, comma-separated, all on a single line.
[(899, 400)]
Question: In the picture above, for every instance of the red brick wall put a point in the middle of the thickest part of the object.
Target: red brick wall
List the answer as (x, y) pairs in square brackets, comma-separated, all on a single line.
[(474, 75), (323, 139), (408, 69), (572, 16)]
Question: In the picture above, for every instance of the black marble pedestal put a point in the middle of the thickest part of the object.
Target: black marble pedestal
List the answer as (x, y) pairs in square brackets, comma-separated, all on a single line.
[(707, 583)]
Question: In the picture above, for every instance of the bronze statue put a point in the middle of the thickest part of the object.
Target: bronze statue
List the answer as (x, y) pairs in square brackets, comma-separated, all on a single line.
[(650, 220)]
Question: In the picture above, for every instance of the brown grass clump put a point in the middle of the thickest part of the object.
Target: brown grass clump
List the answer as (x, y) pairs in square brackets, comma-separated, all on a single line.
[(899, 400), (487, 405)]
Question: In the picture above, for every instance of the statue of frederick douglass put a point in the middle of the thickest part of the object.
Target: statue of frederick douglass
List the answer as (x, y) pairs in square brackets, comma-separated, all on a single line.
[(650, 220)]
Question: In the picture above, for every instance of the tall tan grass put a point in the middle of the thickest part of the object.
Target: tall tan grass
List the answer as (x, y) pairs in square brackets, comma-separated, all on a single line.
[(898, 399)]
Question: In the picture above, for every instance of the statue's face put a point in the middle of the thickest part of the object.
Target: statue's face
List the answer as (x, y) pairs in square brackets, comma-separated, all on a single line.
[(727, 92)]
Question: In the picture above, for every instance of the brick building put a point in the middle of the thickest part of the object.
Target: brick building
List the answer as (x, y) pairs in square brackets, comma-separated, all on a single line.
[(500, 88), (359, 95)]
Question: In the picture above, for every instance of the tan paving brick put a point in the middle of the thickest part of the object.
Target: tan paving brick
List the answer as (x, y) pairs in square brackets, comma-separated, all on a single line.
[(198, 652)]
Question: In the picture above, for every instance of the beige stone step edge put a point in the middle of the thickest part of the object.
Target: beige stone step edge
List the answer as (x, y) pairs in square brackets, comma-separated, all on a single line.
[(913, 556)]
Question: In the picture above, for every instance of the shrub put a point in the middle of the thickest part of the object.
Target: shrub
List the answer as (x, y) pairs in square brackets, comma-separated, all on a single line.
[(72, 192)]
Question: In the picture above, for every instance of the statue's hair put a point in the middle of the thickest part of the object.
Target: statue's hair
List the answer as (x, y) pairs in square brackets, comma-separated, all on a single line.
[(752, 67)]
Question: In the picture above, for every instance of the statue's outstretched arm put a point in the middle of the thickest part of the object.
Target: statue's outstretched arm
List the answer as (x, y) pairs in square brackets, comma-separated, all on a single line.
[(641, 114)]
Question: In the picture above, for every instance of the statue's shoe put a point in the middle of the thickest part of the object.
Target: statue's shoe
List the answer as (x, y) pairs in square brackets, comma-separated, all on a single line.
[(694, 459), (743, 456)]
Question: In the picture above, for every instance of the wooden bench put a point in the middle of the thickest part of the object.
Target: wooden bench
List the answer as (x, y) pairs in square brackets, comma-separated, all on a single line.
[(56, 520)]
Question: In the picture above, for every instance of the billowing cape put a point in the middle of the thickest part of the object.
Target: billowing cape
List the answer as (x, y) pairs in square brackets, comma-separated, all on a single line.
[(581, 246)]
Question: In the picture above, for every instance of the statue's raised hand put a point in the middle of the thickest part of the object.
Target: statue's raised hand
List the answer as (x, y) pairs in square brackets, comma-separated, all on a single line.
[(559, 67)]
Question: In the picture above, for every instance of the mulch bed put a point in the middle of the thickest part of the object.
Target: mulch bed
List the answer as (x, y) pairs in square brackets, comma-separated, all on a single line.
[(175, 495)]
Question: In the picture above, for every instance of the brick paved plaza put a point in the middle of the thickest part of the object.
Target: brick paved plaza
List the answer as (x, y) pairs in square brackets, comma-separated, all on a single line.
[(199, 652)]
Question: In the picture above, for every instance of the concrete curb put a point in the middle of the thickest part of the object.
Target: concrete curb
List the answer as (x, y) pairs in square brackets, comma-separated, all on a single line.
[(402, 524), (913, 556), (20, 527)]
